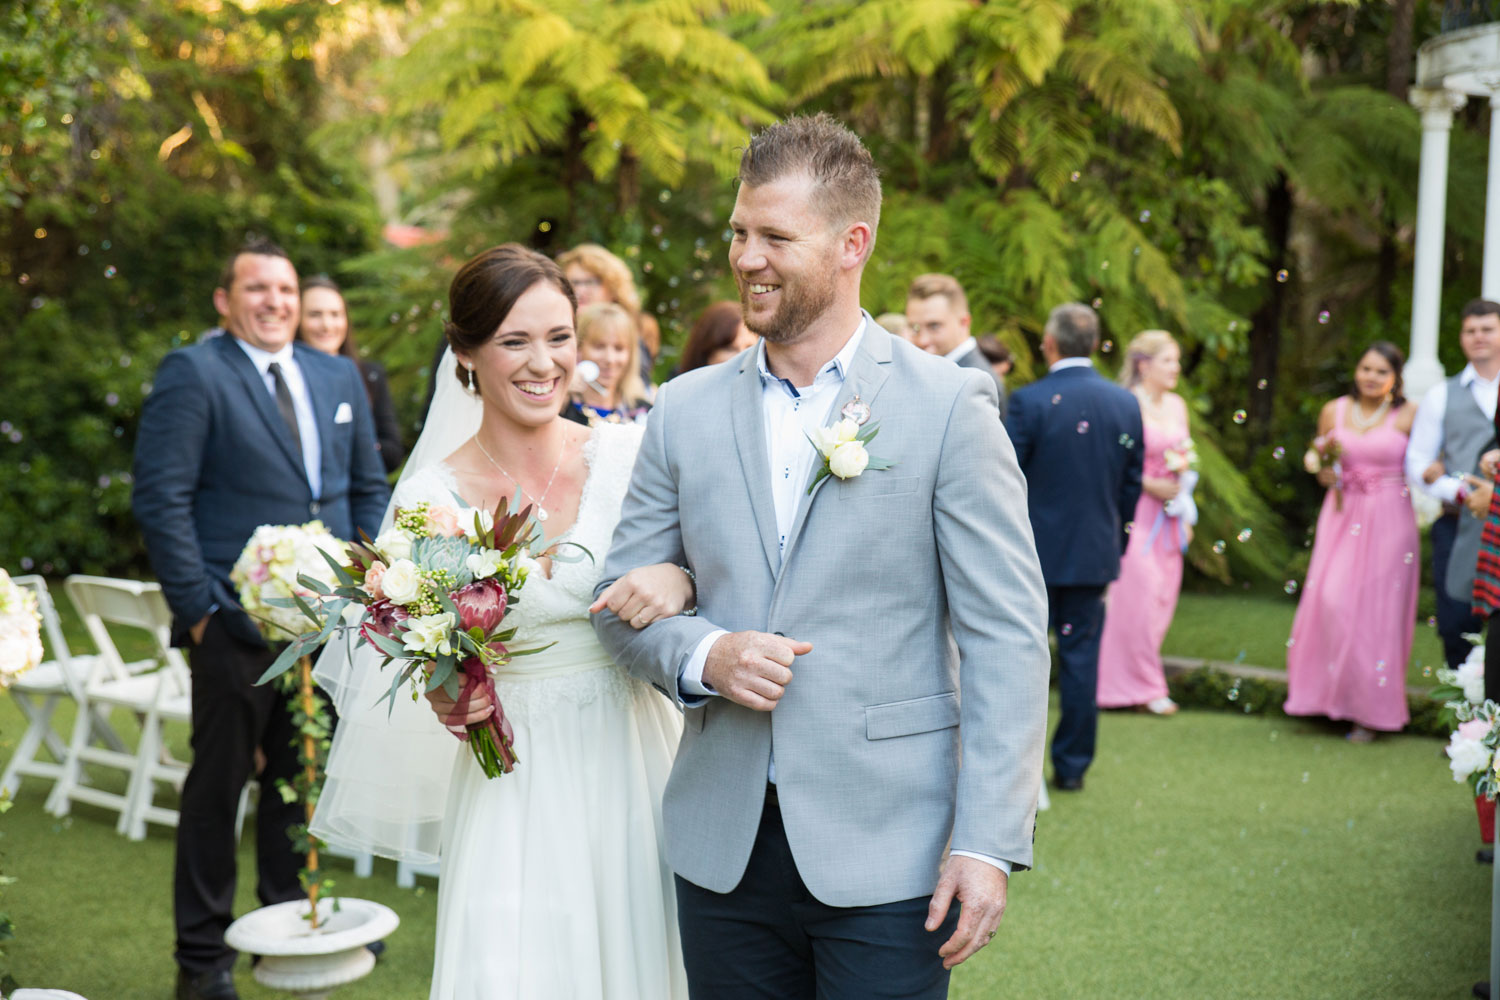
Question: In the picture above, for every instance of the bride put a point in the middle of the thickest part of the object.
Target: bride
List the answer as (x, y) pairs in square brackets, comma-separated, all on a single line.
[(553, 882)]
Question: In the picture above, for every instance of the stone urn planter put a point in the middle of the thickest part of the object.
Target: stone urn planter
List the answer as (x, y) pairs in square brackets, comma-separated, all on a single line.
[(306, 962)]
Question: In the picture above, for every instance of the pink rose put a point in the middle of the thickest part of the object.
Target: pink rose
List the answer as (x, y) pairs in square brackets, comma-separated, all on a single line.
[(481, 603), (372, 580), (1474, 729), (443, 520), (381, 618), (260, 573)]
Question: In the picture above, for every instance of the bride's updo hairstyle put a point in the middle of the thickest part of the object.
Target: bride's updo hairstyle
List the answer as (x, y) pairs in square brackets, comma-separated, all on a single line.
[(485, 290)]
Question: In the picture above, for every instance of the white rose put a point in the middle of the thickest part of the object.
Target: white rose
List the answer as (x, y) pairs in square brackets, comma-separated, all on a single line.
[(429, 634), (1312, 461), (485, 563), (1466, 757), (402, 582), (466, 518), (394, 543), (849, 459)]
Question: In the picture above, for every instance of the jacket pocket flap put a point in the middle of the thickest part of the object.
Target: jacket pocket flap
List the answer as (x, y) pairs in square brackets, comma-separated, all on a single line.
[(877, 485), (904, 718)]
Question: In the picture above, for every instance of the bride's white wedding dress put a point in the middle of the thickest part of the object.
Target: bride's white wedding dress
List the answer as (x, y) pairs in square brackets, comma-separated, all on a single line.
[(553, 882)]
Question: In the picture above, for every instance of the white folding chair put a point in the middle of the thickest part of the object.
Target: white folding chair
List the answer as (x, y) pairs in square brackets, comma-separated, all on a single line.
[(155, 697), (40, 691), (407, 872)]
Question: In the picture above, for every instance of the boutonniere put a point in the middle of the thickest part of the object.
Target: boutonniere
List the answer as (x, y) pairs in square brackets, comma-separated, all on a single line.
[(842, 445)]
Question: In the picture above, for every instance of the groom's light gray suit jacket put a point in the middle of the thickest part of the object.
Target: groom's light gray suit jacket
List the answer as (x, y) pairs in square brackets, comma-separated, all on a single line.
[(921, 593)]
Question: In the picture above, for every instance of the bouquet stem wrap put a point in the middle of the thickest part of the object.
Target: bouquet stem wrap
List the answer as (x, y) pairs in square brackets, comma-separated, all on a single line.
[(492, 740)]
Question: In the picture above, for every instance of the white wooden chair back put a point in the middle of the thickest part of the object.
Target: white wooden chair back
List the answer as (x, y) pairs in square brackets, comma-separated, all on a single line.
[(103, 601)]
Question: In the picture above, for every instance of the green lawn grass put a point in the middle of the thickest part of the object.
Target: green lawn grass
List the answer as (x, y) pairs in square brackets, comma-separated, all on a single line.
[(1211, 855)]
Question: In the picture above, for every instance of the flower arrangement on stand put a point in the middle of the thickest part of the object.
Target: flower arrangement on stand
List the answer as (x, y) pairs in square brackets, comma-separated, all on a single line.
[(20, 651), (306, 948), (1471, 747)]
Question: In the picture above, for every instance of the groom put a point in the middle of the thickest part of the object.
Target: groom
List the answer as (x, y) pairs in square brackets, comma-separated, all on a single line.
[(865, 682)]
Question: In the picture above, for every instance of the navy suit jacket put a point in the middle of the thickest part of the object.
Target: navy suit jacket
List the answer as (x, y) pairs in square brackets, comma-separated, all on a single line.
[(214, 461), (1078, 439)]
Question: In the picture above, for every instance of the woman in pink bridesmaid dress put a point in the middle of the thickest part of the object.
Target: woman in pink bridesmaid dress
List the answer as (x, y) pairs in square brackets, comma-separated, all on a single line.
[(1143, 599), (1351, 639)]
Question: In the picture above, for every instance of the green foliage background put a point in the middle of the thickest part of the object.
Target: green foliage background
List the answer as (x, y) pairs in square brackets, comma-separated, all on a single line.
[(1239, 172)]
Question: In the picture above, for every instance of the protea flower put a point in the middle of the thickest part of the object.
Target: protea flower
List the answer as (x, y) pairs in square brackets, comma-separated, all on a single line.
[(481, 604)]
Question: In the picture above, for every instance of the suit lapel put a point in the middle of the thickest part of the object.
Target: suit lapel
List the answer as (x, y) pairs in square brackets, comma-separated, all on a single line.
[(260, 398), (750, 444), (866, 376)]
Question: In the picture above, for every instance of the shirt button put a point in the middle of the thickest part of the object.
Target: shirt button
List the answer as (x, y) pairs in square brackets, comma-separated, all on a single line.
[(314, 507)]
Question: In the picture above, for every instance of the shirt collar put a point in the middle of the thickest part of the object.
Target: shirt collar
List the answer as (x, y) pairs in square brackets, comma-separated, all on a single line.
[(1469, 376), (962, 350), (1062, 363), (263, 359), (835, 370)]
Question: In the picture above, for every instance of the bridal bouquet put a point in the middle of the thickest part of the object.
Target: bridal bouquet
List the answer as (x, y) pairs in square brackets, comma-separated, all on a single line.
[(435, 593), (20, 630), (1324, 453), (1471, 747)]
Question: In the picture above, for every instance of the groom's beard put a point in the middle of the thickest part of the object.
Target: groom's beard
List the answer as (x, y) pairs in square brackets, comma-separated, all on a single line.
[(802, 302)]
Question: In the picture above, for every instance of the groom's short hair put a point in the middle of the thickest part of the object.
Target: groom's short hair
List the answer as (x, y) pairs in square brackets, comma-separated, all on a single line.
[(1074, 328), (258, 246), (824, 149)]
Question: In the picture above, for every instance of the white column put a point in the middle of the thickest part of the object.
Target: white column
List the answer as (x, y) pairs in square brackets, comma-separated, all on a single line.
[(1437, 106), (1490, 284)]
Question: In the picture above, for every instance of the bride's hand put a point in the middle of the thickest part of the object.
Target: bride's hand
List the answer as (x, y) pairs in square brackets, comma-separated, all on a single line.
[(648, 594), (457, 716)]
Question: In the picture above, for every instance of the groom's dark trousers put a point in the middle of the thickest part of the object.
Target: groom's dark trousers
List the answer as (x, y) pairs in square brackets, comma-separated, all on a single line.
[(215, 459), (770, 939)]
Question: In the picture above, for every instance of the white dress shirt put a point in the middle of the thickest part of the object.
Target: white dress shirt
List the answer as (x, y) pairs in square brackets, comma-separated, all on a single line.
[(307, 421), (791, 414), (1426, 441), (1062, 363), (963, 349)]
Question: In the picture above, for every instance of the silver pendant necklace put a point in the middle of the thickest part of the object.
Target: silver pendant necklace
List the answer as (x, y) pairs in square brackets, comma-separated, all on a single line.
[(541, 512)]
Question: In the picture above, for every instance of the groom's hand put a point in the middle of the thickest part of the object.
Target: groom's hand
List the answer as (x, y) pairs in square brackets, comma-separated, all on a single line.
[(752, 668), (980, 888)]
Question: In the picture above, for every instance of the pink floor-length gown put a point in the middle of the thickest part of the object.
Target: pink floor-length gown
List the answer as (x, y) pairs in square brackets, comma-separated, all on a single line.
[(1144, 597), (1351, 639)]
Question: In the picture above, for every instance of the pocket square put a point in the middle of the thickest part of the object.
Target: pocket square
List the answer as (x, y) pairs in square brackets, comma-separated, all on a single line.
[(343, 414)]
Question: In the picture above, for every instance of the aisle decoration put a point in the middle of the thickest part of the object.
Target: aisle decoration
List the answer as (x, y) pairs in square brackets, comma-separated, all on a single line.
[(305, 948), (20, 630), (1471, 747), (20, 651)]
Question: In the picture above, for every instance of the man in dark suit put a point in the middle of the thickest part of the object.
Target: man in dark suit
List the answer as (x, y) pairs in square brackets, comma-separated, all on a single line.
[(242, 430), (1078, 439), (938, 311)]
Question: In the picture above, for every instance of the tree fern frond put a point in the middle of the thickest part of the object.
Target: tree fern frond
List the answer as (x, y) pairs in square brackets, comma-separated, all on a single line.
[(1124, 88)]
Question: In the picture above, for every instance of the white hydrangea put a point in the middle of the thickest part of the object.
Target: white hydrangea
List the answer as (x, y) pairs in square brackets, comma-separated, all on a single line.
[(267, 569)]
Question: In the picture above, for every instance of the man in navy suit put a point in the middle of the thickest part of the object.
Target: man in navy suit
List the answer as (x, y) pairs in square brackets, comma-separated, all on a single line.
[(1078, 440), (244, 429)]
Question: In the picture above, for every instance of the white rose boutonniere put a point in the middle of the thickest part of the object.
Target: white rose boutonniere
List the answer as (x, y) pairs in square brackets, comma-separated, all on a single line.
[(842, 446)]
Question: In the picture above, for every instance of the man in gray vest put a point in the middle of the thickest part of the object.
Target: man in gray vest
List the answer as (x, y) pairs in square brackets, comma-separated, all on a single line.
[(1455, 424)]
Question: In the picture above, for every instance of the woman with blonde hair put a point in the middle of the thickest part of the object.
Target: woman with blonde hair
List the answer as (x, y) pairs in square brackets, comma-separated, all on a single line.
[(599, 276), (616, 395), (1143, 599)]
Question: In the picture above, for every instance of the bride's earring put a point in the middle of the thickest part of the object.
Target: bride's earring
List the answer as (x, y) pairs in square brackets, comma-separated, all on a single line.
[(471, 378)]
